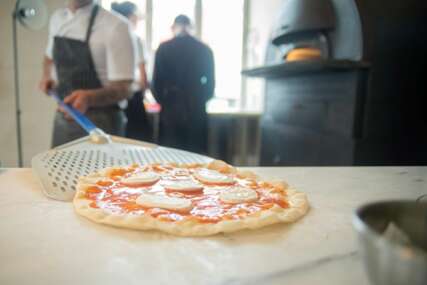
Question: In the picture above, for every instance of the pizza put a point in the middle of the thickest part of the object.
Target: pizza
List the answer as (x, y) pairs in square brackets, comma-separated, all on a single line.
[(186, 199)]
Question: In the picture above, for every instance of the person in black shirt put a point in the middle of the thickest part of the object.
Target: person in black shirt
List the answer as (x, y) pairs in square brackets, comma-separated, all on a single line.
[(138, 126), (183, 81)]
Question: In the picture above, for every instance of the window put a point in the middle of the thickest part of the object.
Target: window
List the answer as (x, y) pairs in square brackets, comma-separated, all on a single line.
[(222, 30), (219, 23), (164, 12)]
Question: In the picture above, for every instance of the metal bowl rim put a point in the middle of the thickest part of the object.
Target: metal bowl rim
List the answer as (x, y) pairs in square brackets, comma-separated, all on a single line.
[(363, 228)]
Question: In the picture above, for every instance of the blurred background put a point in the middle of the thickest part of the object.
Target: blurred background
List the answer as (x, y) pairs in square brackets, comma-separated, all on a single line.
[(298, 82)]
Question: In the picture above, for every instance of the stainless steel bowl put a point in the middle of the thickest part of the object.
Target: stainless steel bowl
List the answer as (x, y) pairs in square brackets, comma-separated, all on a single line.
[(388, 260)]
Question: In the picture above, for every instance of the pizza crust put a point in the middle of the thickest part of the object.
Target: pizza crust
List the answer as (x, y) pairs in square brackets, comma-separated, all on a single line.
[(298, 207)]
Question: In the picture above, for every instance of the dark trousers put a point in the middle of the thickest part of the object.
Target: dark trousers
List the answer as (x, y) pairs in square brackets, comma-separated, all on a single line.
[(191, 136)]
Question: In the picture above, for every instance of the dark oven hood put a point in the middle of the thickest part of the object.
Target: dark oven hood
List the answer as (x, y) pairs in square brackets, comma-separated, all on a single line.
[(303, 19), (331, 26)]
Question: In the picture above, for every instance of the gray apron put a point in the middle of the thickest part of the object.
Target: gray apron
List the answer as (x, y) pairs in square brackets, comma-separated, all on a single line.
[(76, 70)]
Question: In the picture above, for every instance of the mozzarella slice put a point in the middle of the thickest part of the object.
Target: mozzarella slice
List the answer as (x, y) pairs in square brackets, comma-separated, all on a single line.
[(164, 202), (238, 195), (213, 177), (186, 185), (141, 179)]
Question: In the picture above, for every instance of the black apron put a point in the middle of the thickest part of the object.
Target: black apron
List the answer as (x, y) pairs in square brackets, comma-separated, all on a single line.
[(76, 70), (138, 125)]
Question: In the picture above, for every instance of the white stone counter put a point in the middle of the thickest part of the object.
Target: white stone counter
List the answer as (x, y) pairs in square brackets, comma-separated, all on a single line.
[(44, 242)]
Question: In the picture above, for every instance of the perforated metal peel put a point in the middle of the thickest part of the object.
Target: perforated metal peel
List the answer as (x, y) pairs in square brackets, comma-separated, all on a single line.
[(59, 169)]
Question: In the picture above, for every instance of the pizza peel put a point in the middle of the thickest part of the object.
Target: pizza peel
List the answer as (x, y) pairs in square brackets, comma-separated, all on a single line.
[(58, 169)]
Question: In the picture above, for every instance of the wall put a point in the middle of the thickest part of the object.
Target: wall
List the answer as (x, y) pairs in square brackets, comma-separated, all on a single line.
[(262, 15), (37, 109)]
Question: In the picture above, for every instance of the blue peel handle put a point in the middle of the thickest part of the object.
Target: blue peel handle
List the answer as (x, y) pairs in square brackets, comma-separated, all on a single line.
[(81, 119)]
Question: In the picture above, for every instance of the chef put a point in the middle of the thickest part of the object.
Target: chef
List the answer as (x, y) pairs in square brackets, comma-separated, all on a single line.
[(89, 61), (138, 127), (183, 81)]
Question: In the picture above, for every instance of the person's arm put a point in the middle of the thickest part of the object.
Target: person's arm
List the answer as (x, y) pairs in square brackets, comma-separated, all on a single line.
[(46, 81), (140, 60), (143, 76), (158, 76), (114, 92)]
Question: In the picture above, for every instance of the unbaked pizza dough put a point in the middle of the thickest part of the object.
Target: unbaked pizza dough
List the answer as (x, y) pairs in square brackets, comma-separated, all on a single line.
[(186, 199)]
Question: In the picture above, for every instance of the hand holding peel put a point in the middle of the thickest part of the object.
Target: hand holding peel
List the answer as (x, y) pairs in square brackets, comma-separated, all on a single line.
[(78, 99)]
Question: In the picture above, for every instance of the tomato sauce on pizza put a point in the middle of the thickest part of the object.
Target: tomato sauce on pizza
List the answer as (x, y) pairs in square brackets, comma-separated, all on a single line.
[(173, 193)]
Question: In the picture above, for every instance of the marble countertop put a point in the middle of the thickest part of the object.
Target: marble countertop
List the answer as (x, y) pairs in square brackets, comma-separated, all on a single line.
[(44, 242)]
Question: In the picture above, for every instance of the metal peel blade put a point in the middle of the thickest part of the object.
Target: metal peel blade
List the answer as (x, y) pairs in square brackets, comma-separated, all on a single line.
[(59, 169)]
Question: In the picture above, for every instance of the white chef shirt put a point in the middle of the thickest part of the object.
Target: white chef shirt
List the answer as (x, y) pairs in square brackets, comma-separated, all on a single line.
[(112, 45)]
